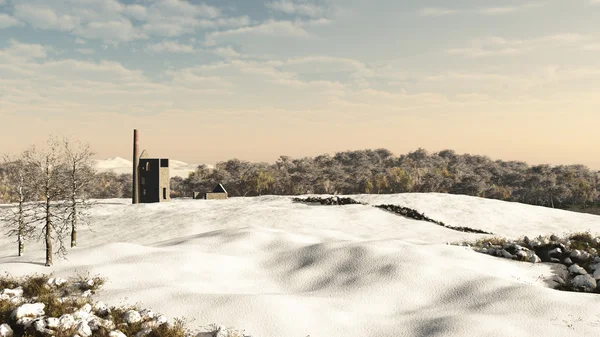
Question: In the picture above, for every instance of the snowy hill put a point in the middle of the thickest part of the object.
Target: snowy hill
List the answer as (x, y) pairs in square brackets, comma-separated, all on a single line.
[(277, 268), (120, 165)]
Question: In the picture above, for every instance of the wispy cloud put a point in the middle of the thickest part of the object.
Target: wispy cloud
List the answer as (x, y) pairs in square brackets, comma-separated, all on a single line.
[(493, 46), (7, 21), (268, 28), (442, 11), (170, 47), (86, 51), (297, 8)]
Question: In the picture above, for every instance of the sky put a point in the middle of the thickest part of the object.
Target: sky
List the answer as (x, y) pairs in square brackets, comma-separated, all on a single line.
[(206, 81)]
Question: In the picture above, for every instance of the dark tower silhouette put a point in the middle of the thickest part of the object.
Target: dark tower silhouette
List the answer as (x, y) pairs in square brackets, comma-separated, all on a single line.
[(135, 199)]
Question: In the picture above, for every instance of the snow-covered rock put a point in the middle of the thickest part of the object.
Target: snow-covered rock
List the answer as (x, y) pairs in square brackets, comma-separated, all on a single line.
[(116, 333), (83, 329), (52, 322), (66, 321), (577, 270), (6, 331), (86, 293), (584, 282), (147, 314), (56, 282), (132, 316), (161, 319), (16, 292), (29, 310), (100, 308), (40, 326)]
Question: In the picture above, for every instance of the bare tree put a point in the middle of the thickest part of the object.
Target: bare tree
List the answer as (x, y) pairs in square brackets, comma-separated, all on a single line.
[(19, 219), (79, 174), (48, 178)]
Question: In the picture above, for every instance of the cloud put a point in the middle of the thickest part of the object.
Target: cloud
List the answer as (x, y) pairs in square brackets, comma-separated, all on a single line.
[(296, 8), (135, 11), (227, 52), (441, 11), (86, 51), (170, 47), (111, 31), (44, 17), (268, 28), (494, 46), (435, 11), (7, 21)]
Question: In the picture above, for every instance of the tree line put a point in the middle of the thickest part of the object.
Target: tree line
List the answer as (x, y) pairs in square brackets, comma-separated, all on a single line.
[(379, 171)]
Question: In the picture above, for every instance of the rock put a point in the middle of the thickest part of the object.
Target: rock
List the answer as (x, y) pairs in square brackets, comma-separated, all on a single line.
[(579, 256), (146, 314), (25, 321), (82, 315), (132, 316), (101, 309), (596, 241), (584, 282), (86, 293), (577, 270), (593, 251), (568, 261), (144, 332), (594, 267), (559, 280), (40, 326), (116, 333), (596, 275), (554, 252), (56, 282), (596, 259), (554, 260), (161, 319), (28, 310), (506, 254), (535, 259), (66, 322), (6, 331), (554, 237), (17, 292), (52, 322), (87, 308), (83, 329), (149, 324)]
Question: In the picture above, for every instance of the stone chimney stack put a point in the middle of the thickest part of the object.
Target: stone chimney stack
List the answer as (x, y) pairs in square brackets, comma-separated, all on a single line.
[(135, 196)]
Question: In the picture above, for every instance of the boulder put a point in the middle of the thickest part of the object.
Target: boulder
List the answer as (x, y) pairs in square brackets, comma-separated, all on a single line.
[(66, 321), (579, 256), (101, 309), (584, 282), (10, 293), (132, 316), (83, 329), (29, 310), (116, 333), (594, 267), (577, 270), (161, 319), (52, 322), (568, 261), (596, 275), (146, 314), (6, 331)]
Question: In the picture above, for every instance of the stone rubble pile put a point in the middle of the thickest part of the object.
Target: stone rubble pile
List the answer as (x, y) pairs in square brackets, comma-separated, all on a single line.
[(583, 266), (30, 316)]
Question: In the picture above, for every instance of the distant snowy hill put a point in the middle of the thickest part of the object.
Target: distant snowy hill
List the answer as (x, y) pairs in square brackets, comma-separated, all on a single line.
[(120, 165)]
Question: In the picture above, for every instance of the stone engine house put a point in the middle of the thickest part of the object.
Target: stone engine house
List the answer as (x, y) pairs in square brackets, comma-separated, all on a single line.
[(154, 180)]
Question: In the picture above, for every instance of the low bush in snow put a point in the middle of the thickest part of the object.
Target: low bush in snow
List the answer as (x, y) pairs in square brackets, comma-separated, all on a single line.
[(41, 305)]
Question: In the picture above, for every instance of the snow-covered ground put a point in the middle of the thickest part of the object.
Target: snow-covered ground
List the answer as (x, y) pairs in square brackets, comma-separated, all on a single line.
[(120, 165), (283, 269)]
